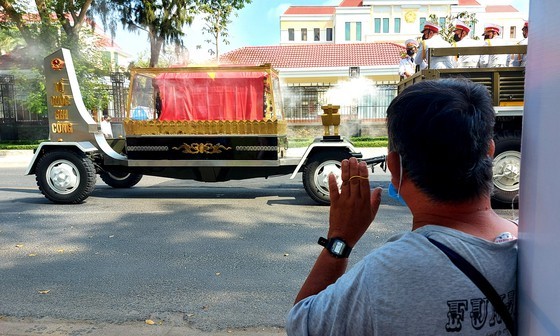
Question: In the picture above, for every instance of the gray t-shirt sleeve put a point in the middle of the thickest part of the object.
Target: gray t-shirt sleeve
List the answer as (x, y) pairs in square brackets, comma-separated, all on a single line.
[(342, 308)]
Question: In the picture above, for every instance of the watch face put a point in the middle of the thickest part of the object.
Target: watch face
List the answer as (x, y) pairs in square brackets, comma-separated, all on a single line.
[(337, 247)]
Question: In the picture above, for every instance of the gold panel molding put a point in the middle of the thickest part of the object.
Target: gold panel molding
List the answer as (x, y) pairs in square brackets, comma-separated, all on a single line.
[(201, 148), (157, 127)]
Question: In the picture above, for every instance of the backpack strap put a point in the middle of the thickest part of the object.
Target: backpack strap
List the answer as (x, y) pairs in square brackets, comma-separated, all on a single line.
[(480, 281)]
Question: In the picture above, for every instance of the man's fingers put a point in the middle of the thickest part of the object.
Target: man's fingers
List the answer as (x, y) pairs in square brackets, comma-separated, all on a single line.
[(363, 174), (333, 188), (375, 201), (344, 171)]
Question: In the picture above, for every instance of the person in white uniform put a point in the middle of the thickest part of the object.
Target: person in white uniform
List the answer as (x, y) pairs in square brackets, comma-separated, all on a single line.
[(432, 39), (461, 38), (520, 59), (407, 67), (106, 126), (492, 38)]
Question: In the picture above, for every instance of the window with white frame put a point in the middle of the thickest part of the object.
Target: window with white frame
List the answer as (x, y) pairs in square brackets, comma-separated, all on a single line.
[(397, 25)]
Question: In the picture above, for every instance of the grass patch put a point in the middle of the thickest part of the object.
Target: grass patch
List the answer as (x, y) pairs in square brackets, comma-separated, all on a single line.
[(356, 141), (20, 144)]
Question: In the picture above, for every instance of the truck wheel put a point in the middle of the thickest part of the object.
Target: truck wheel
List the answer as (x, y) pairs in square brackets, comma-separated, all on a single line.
[(506, 168), (316, 174), (120, 179), (65, 176)]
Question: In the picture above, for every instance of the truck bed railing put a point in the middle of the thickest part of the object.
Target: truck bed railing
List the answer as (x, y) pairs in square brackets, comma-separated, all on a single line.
[(506, 84)]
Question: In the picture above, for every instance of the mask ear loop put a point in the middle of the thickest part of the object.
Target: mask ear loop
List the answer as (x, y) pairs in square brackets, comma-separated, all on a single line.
[(400, 175)]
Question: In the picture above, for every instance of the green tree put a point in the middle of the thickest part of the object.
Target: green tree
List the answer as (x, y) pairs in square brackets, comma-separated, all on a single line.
[(163, 20), (217, 18), (10, 38), (40, 25), (446, 31), (44, 26)]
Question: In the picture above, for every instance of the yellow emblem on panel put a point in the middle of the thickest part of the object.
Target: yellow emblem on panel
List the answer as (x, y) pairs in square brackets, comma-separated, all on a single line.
[(410, 16)]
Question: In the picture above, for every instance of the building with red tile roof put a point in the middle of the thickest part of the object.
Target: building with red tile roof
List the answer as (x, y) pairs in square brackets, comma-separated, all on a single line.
[(501, 9), (327, 62), (310, 10), (468, 3)]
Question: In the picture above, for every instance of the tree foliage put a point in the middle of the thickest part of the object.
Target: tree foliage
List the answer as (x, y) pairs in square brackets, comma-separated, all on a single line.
[(163, 20), (217, 18), (40, 25), (447, 28), (41, 28)]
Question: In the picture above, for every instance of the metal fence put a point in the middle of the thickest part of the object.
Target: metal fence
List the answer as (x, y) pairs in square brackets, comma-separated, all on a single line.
[(302, 104)]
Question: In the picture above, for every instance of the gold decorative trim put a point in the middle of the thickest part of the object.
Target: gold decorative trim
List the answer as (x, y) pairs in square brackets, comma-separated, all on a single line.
[(157, 127), (201, 148)]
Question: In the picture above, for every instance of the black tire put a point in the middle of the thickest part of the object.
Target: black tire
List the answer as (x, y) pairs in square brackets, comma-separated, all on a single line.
[(120, 179), (506, 167), (65, 176), (316, 171)]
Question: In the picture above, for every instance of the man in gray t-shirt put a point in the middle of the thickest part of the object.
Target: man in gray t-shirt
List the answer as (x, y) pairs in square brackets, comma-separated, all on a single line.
[(440, 149)]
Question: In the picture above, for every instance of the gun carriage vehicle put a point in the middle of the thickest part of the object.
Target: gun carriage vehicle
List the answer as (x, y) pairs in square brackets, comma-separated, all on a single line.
[(208, 124)]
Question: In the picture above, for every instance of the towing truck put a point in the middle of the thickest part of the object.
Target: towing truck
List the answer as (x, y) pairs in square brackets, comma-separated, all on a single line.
[(208, 124), (506, 86)]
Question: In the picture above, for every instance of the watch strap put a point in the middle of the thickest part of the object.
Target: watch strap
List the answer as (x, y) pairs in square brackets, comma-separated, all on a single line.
[(336, 247)]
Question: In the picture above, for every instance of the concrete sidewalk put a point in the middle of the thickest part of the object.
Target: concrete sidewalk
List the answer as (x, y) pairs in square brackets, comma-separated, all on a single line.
[(15, 158)]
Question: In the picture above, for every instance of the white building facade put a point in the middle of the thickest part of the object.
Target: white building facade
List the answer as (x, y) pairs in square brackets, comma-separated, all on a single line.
[(390, 20)]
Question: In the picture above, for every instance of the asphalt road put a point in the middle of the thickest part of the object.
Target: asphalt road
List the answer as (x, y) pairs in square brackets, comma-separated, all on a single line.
[(214, 259)]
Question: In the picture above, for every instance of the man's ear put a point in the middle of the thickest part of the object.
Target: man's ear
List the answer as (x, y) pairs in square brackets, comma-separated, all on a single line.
[(393, 164), (491, 148)]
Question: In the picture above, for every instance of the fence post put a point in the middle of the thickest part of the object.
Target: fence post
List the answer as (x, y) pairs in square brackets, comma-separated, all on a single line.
[(8, 129), (119, 101)]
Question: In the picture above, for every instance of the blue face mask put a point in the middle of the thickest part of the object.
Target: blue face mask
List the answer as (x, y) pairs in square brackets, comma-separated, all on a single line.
[(395, 193)]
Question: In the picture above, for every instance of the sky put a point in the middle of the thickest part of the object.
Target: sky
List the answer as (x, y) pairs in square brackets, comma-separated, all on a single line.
[(258, 24)]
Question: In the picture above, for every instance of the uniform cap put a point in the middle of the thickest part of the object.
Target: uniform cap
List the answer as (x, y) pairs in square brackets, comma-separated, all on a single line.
[(411, 43), (461, 25), (431, 26), (492, 28)]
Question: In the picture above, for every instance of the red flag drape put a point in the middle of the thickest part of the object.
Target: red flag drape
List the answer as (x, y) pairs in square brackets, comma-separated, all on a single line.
[(211, 96)]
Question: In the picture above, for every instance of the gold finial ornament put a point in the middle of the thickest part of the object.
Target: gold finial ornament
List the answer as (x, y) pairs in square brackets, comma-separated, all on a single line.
[(330, 117)]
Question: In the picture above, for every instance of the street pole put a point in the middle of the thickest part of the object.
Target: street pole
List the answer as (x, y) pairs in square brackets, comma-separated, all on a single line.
[(539, 227)]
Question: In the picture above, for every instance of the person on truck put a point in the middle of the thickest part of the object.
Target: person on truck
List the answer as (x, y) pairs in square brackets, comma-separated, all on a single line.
[(520, 59), (407, 67), (440, 160), (106, 126), (432, 39), (461, 38), (491, 38)]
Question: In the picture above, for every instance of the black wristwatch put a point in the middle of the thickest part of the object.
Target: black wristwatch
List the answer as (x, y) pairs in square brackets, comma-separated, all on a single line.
[(336, 246)]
